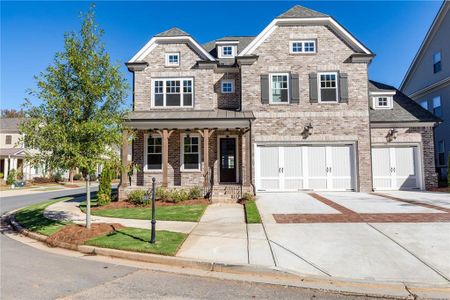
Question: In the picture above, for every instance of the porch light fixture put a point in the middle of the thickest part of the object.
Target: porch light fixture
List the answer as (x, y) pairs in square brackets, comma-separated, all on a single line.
[(188, 133), (392, 135), (307, 130)]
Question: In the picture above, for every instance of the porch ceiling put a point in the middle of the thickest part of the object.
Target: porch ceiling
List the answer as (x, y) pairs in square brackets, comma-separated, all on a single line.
[(189, 119)]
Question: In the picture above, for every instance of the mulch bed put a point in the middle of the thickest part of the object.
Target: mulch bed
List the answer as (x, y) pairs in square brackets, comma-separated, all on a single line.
[(125, 204), (78, 234)]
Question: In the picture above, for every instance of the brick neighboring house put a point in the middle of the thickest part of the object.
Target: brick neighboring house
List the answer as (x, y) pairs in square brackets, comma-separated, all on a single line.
[(290, 109), (427, 82)]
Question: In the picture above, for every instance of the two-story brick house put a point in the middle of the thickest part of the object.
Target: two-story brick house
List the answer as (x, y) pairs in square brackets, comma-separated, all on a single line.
[(290, 109)]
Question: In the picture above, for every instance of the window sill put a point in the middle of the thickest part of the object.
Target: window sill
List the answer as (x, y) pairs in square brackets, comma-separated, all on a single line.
[(152, 171), (190, 171), (174, 66), (303, 53)]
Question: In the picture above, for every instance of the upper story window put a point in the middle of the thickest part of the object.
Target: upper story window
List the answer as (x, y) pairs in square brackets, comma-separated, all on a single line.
[(303, 46), (441, 153), (437, 66), (190, 152), (153, 153), (437, 109), (328, 88), (383, 102), (8, 140), (227, 51), (173, 92), (172, 59), (424, 104), (279, 88), (227, 86)]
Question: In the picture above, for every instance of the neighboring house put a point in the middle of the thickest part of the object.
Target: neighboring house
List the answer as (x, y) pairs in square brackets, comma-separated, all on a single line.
[(427, 81), (12, 151), (290, 109)]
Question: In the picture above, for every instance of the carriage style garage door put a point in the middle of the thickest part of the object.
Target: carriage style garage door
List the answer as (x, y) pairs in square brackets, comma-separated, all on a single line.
[(293, 168), (396, 168)]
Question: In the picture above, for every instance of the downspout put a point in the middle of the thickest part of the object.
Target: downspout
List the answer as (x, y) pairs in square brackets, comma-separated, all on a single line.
[(251, 157)]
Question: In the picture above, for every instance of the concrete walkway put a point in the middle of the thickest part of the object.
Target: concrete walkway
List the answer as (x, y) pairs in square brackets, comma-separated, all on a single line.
[(39, 189), (70, 211), (223, 236)]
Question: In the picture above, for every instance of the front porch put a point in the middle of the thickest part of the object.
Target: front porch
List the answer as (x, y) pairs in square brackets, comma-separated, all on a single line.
[(210, 150)]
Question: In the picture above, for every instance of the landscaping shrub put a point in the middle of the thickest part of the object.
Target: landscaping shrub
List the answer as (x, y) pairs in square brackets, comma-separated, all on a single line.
[(178, 195), (104, 190), (162, 194), (248, 197), (42, 180), (195, 193), (2, 175), (57, 176), (137, 197), (19, 174), (77, 176), (11, 179)]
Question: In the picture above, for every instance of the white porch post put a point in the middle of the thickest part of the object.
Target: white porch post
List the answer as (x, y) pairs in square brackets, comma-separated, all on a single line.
[(5, 174)]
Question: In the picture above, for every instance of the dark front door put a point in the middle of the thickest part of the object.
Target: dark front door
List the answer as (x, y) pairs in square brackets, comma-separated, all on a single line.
[(228, 160)]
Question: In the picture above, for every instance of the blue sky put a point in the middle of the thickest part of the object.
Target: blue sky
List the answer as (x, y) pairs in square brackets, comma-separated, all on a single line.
[(31, 32)]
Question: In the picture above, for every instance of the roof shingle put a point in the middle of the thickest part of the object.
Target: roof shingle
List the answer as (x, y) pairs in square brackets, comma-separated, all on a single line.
[(301, 12), (172, 32)]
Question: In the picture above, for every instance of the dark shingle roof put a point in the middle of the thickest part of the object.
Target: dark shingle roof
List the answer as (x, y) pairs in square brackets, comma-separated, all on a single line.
[(404, 109), (9, 124), (172, 32), (301, 12), (243, 42)]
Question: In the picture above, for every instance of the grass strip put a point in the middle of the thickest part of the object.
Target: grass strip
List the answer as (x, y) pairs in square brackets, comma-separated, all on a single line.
[(136, 239), (32, 218), (251, 213)]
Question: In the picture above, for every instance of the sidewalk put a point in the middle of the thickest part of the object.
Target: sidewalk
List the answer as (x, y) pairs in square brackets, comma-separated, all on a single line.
[(39, 189), (69, 211)]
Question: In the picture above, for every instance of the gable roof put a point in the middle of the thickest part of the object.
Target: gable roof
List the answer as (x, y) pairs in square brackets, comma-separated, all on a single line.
[(9, 125), (174, 35), (174, 31), (299, 15), (404, 108), (243, 42), (443, 10), (301, 12)]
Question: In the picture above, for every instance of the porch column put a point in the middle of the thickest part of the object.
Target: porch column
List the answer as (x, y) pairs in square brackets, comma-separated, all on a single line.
[(246, 165), (205, 157), (6, 167), (165, 157), (124, 159)]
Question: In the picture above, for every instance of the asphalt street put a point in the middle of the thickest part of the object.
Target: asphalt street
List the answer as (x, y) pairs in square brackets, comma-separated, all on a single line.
[(30, 273)]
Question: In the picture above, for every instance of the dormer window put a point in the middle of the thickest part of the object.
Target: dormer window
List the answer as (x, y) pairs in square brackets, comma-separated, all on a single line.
[(382, 102), (172, 59), (302, 47), (226, 51)]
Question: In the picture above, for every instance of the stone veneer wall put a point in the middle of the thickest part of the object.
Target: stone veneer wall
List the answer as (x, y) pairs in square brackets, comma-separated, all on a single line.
[(420, 135), (343, 122)]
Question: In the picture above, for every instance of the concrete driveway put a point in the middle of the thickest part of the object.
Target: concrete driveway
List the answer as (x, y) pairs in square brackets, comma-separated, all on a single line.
[(391, 236)]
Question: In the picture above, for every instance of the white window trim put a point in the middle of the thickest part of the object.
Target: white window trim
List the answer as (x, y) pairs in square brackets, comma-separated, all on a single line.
[(270, 88), (182, 136), (220, 51), (227, 81), (146, 136), (165, 94), (291, 44), (319, 96), (169, 64), (390, 102)]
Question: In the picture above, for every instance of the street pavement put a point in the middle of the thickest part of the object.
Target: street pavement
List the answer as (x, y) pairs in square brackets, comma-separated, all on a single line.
[(31, 273)]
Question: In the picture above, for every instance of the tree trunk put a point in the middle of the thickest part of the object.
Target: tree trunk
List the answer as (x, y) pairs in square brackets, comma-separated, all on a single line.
[(71, 174)]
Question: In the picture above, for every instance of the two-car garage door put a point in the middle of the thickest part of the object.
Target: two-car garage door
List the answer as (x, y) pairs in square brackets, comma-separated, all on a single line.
[(308, 167)]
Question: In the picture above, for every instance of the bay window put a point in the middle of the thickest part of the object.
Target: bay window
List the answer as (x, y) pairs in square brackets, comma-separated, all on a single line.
[(190, 156), (173, 92)]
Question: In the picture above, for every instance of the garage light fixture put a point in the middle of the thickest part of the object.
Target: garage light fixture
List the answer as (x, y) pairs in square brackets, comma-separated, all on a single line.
[(392, 135), (307, 131)]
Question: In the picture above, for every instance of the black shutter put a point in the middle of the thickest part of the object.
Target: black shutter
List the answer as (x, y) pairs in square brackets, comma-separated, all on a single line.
[(313, 88), (265, 89), (343, 88), (294, 89)]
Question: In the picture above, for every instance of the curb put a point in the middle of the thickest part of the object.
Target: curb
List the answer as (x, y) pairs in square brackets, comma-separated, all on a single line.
[(259, 274)]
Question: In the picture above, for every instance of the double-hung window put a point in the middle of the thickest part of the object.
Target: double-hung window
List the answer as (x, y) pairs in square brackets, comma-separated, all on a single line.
[(173, 92), (441, 153), (279, 88), (437, 109), (328, 87), (8, 140), (153, 153), (302, 47), (437, 65), (190, 156)]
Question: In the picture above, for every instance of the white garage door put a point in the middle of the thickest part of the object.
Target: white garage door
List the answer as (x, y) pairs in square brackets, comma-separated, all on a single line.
[(395, 168), (293, 168)]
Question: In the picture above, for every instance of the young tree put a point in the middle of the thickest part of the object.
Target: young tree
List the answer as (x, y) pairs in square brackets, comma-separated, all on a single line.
[(79, 120)]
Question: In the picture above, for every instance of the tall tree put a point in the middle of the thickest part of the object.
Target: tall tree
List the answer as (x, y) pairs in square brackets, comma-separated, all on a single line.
[(12, 113), (78, 123)]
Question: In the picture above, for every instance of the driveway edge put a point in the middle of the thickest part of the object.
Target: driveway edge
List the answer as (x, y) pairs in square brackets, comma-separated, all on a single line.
[(258, 274)]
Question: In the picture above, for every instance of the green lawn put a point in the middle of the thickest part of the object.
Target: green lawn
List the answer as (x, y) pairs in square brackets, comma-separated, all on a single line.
[(187, 213), (32, 218), (135, 239), (252, 213)]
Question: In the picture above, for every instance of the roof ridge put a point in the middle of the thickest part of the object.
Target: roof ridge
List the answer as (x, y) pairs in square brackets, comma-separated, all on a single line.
[(174, 31), (298, 11)]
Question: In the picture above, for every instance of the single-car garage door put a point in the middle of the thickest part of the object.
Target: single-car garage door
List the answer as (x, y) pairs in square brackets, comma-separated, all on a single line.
[(396, 168), (293, 168)]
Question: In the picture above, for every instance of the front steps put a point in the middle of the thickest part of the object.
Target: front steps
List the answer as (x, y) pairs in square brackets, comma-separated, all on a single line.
[(226, 193)]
